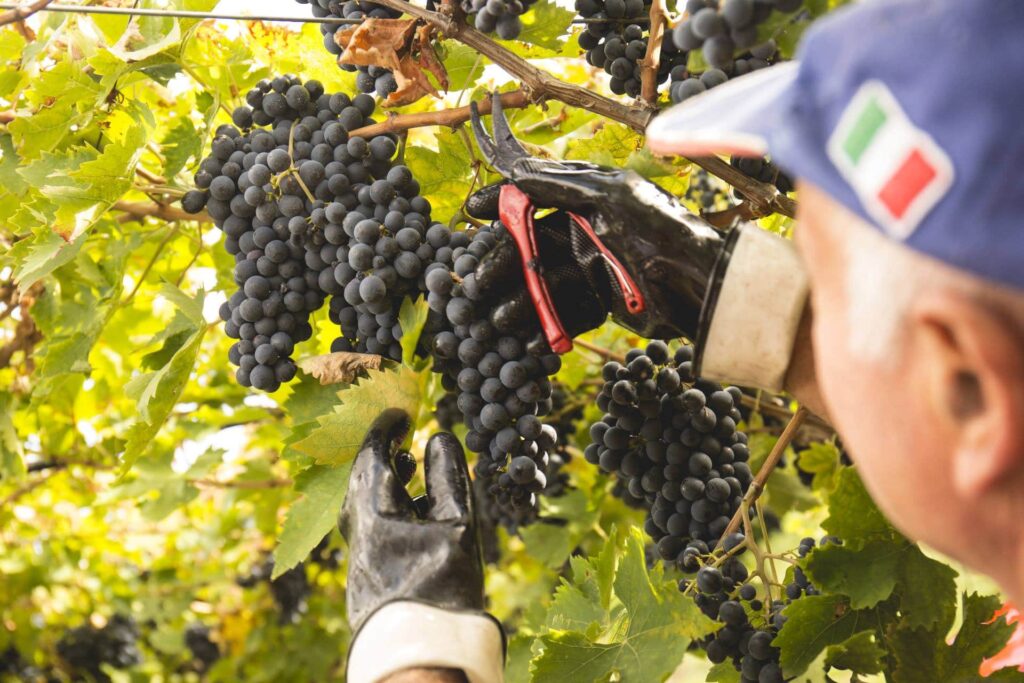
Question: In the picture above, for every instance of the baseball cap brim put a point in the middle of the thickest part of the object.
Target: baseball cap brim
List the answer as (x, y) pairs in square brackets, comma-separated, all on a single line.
[(736, 117)]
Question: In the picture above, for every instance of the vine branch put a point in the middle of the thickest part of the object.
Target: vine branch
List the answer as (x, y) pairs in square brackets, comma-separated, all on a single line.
[(650, 63), (22, 13), (254, 484), (136, 211), (517, 99), (757, 486), (607, 354)]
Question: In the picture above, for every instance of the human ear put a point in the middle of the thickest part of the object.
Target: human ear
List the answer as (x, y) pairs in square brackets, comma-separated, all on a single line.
[(972, 368)]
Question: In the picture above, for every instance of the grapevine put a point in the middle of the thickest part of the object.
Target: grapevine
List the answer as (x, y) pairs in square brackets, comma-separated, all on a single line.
[(220, 260)]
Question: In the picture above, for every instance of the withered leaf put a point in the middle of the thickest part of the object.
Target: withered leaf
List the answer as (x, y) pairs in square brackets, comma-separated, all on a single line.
[(376, 42), (339, 368), (398, 45)]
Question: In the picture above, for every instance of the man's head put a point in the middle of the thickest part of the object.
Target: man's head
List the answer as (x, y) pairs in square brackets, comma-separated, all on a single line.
[(922, 369), (909, 226)]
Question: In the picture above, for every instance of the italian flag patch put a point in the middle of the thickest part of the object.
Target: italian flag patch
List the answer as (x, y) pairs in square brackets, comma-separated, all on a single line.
[(897, 170)]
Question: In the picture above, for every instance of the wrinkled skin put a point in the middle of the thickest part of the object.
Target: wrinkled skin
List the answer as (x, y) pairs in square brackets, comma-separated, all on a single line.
[(668, 251), (397, 553)]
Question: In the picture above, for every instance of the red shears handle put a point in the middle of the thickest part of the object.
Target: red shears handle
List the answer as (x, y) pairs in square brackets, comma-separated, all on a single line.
[(516, 212)]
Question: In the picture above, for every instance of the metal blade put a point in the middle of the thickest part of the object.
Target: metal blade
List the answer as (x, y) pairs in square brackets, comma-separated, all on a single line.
[(508, 147), (483, 140)]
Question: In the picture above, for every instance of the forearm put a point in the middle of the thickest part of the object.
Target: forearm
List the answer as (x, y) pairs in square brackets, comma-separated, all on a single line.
[(431, 675)]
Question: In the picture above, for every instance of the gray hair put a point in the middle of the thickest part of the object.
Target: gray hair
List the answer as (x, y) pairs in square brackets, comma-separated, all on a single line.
[(884, 277)]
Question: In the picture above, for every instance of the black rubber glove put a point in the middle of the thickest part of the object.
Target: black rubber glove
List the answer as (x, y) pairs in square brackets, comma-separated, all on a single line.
[(402, 550), (669, 252), (580, 286)]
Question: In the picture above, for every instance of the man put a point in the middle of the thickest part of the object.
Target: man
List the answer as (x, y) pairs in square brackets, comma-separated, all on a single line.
[(900, 121)]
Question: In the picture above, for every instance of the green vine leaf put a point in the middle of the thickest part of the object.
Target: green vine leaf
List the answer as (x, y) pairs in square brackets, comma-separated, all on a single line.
[(643, 638), (814, 623), (923, 655), (312, 516), (340, 433)]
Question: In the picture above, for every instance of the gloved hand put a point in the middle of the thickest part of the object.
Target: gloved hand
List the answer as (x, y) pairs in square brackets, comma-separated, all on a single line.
[(677, 263), (666, 250), (415, 592)]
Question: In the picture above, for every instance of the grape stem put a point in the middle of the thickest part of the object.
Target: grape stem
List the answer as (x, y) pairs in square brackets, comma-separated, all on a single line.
[(608, 354), (649, 64), (757, 486), (768, 556)]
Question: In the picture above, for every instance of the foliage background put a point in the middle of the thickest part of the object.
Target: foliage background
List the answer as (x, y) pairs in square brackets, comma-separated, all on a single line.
[(136, 476)]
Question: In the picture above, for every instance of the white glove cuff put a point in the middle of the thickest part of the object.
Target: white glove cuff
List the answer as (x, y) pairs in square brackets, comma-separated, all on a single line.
[(407, 635), (750, 321)]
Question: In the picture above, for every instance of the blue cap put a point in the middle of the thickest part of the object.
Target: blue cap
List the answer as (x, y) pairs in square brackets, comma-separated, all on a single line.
[(908, 112)]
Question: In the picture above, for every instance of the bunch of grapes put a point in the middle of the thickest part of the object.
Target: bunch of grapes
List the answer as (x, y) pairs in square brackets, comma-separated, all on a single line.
[(310, 212), (497, 16), (11, 662), (503, 390), (14, 668), (686, 84), (615, 40), (724, 595), (383, 261), (764, 171), (718, 30), (289, 591), (705, 191), (203, 650), (563, 418), (371, 79), (447, 412), (86, 648), (672, 439), (323, 555)]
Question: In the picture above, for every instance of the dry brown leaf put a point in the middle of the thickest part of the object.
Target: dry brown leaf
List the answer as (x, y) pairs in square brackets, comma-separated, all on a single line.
[(339, 368), (427, 56), (398, 45), (377, 42), (412, 84)]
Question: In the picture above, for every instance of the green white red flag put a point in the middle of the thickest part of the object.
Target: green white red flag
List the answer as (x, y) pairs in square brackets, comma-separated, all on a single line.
[(897, 170)]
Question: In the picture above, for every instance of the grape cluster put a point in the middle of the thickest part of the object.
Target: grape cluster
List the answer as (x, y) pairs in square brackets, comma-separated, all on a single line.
[(203, 650), (370, 79), (616, 40), (563, 418), (14, 668), (686, 84), (503, 390), (85, 649), (749, 626), (497, 16), (764, 171), (718, 30), (324, 556), (309, 213), (705, 191), (676, 448), (447, 412), (289, 591)]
